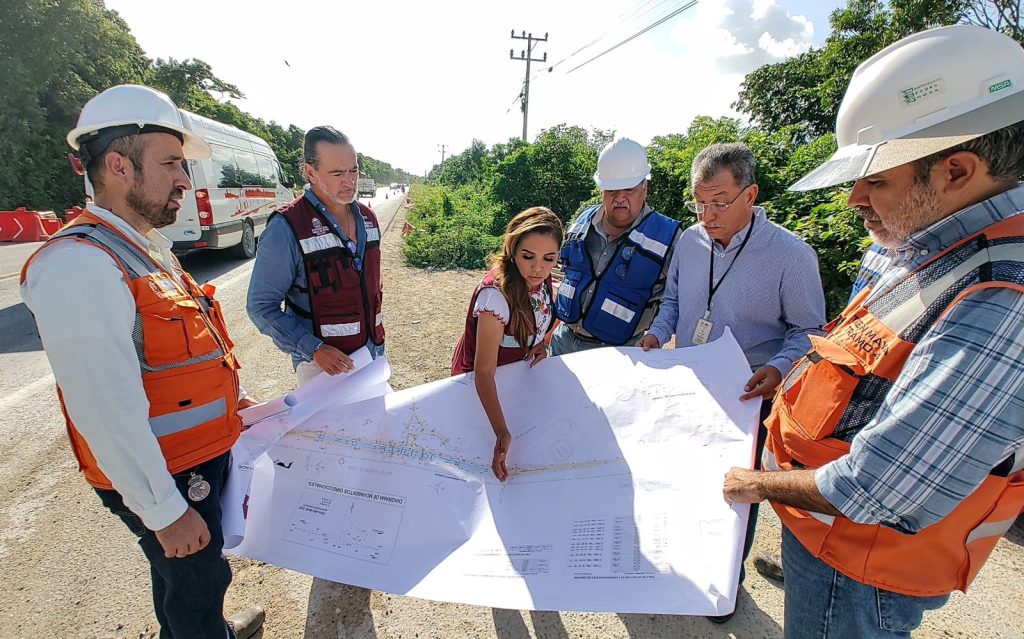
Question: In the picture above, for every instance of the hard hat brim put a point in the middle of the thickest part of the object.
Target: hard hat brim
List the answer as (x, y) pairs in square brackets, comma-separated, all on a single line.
[(193, 146), (618, 185), (854, 162)]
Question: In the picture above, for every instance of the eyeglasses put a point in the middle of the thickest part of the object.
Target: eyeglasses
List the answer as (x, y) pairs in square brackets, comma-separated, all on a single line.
[(717, 207)]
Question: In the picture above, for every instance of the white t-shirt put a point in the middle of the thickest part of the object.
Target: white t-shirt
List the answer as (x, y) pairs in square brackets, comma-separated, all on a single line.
[(492, 300)]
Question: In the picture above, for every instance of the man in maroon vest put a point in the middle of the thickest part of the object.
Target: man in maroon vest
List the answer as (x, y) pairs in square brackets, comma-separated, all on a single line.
[(320, 257)]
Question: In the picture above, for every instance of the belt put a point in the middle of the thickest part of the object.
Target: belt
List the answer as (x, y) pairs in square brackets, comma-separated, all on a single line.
[(583, 338)]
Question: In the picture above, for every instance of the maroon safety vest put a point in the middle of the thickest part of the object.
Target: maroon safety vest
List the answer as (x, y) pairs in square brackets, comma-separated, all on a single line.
[(345, 302), (509, 351)]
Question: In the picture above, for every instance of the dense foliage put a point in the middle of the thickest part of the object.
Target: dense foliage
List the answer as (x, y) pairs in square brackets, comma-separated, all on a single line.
[(467, 200), (48, 75)]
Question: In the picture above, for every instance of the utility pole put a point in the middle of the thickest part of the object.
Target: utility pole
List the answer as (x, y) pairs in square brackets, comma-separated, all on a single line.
[(527, 55), (443, 148)]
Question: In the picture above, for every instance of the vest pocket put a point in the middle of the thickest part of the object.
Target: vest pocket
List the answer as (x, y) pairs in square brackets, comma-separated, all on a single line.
[(817, 393), (342, 326), (567, 299), (175, 333), (616, 317)]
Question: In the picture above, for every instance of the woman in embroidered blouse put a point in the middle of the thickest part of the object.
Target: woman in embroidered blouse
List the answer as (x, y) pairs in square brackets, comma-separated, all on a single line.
[(511, 314)]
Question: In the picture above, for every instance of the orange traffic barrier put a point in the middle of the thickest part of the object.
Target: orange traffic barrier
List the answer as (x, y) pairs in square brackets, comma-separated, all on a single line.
[(73, 212), (22, 225)]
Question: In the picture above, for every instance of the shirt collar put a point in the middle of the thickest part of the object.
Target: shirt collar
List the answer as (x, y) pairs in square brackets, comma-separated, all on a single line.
[(946, 232), (154, 239)]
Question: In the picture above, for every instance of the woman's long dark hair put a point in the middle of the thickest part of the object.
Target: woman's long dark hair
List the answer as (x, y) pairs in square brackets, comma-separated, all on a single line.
[(509, 280)]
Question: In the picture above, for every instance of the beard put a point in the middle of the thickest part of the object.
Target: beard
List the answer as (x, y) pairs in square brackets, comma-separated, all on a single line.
[(158, 213), (337, 198), (917, 210)]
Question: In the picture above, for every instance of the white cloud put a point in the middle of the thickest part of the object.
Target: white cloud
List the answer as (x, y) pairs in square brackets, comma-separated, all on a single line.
[(402, 76), (742, 35)]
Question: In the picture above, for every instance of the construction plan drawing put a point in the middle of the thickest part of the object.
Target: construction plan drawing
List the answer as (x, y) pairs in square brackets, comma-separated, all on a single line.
[(613, 500)]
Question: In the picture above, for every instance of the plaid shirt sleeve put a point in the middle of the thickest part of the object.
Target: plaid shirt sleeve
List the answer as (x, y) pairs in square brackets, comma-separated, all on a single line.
[(955, 412)]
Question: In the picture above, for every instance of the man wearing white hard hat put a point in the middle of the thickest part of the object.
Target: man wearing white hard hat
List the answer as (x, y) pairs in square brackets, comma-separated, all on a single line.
[(897, 442), (140, 352), (615, 258)]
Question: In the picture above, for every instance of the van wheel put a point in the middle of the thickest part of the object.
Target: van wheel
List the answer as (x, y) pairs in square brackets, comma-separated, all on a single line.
[(246, 249)]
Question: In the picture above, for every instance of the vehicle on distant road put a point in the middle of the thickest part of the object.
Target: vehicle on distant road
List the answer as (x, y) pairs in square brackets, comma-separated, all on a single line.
[(366, 187)]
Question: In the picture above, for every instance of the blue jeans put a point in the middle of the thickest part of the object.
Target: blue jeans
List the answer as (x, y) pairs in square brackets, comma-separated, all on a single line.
[(822, 603), (564, 341), (188, 592)]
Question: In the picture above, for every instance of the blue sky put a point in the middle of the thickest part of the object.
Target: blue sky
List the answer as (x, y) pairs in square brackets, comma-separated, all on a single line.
[(401, 77)]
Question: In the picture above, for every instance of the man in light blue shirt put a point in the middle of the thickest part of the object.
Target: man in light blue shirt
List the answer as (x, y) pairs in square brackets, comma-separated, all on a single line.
[(279, 277), (734, 268)]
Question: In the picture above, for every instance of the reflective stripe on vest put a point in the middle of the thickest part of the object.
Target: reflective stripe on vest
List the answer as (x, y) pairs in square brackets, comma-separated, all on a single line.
[(837, 389), (137, 265), (189, 418), (320, 243), (186, 336), (345, 301), (622, 291)]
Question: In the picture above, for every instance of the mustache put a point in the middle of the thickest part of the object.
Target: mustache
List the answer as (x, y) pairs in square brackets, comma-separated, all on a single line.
[(867, 213)]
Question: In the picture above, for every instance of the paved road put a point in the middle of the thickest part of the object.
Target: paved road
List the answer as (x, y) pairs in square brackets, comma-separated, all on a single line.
[(56, 541)]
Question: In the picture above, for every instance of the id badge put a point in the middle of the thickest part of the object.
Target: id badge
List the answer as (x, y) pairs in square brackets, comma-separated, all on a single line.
[(702, 332)]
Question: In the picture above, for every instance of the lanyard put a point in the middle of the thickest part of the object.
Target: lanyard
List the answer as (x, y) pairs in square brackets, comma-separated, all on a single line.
[(711, 266)]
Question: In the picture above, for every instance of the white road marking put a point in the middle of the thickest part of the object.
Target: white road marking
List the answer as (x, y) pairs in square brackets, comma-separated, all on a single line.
[(36, 386)]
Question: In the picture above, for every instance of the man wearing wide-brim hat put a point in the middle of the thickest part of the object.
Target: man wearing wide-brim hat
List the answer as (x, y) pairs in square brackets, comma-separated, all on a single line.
[(896, 445)]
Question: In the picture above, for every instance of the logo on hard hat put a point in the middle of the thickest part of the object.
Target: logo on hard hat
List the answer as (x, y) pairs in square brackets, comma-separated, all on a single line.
[(999, 86)]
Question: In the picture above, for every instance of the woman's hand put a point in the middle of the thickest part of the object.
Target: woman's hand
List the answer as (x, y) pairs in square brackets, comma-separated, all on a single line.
[(537, 353), (500, 453)]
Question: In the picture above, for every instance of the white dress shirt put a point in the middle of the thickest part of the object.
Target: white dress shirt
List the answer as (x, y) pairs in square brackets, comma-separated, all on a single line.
[(85, 314)]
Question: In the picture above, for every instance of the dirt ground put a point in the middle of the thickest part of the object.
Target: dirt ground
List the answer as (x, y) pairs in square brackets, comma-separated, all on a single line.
[(70, 570)]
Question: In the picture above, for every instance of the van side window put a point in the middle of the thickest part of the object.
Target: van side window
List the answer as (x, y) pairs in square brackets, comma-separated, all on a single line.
[(248, 170), (223, 167), (268, 176)]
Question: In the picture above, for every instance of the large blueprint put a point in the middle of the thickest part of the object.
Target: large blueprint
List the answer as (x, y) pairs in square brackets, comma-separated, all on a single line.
[(613, 503)]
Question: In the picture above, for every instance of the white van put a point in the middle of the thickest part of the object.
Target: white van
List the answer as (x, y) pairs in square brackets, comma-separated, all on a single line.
[(233, 192)]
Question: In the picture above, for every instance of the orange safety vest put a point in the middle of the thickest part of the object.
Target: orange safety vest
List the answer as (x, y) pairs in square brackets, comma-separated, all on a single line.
[(837, 388), (189, 373)]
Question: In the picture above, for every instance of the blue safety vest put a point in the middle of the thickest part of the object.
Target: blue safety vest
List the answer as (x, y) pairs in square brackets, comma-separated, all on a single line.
[(623, 288)]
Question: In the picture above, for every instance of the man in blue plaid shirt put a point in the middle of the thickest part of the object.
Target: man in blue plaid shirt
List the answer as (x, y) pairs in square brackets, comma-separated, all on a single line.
[(898, 440)]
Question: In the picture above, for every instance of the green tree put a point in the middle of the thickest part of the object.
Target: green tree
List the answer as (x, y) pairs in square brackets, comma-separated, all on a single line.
[(1002, 15), (808, 89), (671, 157), (47, 76), (464, 168), (555, 171)]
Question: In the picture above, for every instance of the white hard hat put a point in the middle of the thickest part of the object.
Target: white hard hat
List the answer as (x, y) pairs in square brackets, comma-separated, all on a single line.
[(622, 165), (129, 109), (926, 93)]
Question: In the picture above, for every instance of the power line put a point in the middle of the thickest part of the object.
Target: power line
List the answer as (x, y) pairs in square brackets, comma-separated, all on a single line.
[(618, 22), (637, 34)]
